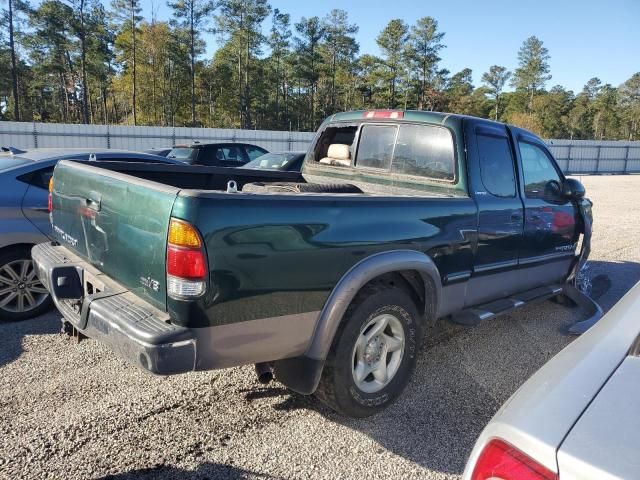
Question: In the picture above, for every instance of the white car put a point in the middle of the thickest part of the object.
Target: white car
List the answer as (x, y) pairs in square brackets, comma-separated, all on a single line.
[(578, 417)]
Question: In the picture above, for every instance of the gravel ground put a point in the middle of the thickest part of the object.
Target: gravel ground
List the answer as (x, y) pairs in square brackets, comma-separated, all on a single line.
[(71, 411)]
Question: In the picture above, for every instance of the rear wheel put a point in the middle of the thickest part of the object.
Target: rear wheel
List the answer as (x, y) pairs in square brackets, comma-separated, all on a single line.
[(22, 295), (373, 353)]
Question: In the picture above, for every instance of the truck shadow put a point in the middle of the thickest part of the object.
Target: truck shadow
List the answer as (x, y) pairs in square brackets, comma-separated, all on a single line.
[(621, 277), (204, 471), (464, 375), (12, 334)]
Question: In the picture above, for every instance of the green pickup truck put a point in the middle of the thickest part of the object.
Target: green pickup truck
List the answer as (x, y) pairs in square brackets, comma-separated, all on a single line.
[(326, 279)]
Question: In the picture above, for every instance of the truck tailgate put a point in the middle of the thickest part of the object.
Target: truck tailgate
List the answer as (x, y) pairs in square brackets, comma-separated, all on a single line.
[(116, 222)]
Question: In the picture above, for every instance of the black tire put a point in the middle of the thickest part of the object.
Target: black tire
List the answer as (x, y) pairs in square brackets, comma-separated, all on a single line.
[(7, 313), (337, 388)]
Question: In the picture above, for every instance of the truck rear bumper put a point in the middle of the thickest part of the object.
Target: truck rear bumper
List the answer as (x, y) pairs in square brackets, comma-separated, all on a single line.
[(101, 309)]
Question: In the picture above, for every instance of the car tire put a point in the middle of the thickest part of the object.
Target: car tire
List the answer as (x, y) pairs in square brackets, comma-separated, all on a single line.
[(35, 300), (348, 384)]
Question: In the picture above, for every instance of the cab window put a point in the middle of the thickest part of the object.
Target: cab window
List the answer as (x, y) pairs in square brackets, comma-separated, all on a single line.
[(496, 165), (538, 171), (425, 151), (375, 148)]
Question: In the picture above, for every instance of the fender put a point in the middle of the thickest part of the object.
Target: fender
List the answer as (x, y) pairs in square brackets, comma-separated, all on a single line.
[(302, 374)]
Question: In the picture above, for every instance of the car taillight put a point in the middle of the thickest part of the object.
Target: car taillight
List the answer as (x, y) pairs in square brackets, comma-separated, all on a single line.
[(50, 198), (186, 262), (383, 114), (501, 461)]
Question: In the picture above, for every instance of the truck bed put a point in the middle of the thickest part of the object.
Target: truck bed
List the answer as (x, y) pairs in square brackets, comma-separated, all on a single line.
[(197, 177)]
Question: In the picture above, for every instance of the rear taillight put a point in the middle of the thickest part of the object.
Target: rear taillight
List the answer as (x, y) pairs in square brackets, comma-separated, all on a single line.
[(501, 461), (50, 198), (186, 262)]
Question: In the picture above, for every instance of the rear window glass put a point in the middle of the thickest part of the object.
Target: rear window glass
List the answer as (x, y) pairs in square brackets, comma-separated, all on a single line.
[(376, 146), (275, 161), (183, 153), (425, 151)]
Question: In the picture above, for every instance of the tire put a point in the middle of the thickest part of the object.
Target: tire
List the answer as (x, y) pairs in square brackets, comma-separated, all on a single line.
[(338, 387), (20, 300)]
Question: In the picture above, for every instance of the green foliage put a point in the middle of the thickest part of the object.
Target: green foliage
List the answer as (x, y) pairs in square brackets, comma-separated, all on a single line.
[(533, 70), (422, 52), (77, 61), (495, 79), (392, 41)]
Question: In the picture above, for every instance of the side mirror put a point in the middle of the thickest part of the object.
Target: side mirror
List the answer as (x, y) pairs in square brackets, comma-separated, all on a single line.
[(572, 188)]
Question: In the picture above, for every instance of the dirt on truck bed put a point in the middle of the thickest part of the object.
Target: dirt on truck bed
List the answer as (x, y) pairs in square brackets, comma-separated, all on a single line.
[(81, 412)]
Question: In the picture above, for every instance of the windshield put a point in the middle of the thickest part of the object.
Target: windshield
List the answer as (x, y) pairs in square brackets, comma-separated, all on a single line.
[(8, 162), (184, 154), (272, 161)]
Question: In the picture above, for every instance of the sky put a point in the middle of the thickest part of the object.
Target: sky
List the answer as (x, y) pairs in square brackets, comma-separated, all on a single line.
[(585, 38)]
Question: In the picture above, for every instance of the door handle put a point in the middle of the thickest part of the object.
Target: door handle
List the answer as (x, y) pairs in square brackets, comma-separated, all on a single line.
[(516, 217)]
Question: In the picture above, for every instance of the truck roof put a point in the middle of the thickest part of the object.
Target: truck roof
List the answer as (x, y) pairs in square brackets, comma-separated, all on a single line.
[(411, 115)]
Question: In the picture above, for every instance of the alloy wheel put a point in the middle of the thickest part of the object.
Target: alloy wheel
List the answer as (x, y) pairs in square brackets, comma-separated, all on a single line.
[(378, 353), (20, 288)]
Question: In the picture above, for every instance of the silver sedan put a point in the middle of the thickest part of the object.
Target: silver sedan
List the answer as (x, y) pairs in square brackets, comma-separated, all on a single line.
[(24, 220), (577, 417)]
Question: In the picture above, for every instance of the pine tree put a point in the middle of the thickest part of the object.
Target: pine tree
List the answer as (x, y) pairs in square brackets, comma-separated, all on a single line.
[(239, 23), (392, 41), (340, 44), (310, 33), (191, 15), (279, 43), (425, 41), (495, 79), (127, 12), (533, 70)]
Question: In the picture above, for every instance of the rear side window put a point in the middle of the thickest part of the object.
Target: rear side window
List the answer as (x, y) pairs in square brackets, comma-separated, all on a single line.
[(425, 151), (538, 171), (254, 152), (214, 154), (39, 178), (376, 144), (184, 154), (231, 154), (496, 165)]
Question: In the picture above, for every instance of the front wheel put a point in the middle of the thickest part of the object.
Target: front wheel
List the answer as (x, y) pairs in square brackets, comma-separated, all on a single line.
[(373, 354), (22, 295)]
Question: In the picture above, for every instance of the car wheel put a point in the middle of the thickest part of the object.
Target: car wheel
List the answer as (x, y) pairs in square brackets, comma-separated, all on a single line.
[(373, 353), (22, 295)]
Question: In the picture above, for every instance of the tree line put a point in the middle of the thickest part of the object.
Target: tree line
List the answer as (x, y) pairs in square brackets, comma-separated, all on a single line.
[(76, 61)]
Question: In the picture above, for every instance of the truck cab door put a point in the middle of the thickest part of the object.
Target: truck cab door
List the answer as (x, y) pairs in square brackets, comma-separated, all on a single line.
[(493, 184), (550, 227)]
